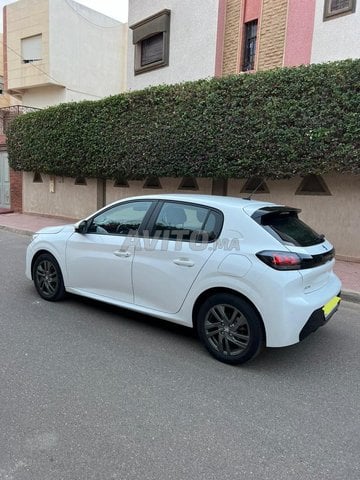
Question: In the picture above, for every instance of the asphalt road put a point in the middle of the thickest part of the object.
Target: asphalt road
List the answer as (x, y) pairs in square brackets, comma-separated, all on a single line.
[(92, 392)]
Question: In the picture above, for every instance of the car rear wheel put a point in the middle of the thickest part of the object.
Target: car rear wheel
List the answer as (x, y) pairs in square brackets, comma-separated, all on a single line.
[(230, 328), (48, 278)]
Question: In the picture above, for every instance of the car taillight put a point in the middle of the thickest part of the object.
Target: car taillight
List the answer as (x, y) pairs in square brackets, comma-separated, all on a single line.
[(281, 260), (294, 261)]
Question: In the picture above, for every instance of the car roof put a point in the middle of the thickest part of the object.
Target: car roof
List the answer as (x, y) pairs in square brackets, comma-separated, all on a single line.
[(215, 201)]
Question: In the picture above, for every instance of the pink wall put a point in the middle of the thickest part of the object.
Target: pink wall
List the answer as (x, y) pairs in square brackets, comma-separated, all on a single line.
[(299, 32), (252, 10), (220, 38)]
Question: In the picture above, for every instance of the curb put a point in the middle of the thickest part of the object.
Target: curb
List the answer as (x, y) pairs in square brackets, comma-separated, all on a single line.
[(19, 231), (350, 296)]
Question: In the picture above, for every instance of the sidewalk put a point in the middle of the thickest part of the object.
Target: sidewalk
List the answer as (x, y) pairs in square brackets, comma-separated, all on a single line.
[(26, 224)]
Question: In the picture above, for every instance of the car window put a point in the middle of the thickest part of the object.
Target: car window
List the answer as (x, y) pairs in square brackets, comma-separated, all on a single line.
[(181, 221), (121, 219), (290, 230)]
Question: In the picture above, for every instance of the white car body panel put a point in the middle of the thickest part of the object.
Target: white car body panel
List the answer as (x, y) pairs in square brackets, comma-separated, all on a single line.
[(162, 278), (96, 266)]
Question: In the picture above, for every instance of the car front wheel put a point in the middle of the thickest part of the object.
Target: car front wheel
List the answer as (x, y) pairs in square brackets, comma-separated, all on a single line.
[(48, 278), (230, 328)]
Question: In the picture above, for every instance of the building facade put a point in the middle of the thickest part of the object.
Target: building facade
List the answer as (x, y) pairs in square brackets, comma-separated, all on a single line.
[(54, 51), (59, 51), (172, 42)]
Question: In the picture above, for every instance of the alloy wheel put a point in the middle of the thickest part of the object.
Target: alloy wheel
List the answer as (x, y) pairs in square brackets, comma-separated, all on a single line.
[(227, 329)]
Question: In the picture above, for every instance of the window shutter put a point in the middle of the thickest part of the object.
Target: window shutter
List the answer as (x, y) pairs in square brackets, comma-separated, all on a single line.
[(152, 49), (31, 48)]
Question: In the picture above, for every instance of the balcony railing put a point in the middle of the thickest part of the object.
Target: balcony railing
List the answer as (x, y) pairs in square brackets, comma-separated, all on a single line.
[(7, 115)]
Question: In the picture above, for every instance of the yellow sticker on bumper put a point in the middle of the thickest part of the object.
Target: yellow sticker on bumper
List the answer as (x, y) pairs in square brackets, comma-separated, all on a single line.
[(330, 306)]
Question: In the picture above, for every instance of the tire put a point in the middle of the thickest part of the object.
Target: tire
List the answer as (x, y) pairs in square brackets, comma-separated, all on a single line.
[(48, 279), (230, 328)]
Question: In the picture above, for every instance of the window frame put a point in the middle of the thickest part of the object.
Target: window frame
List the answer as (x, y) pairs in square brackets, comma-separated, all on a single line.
[(245, 50), (219, 216), (139, 232), (328, 14), (145, 29), (23, 41), (321, 182)]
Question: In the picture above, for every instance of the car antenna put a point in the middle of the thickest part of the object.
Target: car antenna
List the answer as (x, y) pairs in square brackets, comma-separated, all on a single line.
[(255, 190)]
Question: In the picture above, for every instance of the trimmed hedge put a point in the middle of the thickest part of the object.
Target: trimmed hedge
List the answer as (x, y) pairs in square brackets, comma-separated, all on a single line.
[(275, 124)]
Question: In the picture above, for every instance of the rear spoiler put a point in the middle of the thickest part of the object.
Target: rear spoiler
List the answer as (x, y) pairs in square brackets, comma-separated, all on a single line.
[(269, 210)]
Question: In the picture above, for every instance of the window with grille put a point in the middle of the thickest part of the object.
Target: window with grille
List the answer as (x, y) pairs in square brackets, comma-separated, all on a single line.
[(334, 8), (249, 52)]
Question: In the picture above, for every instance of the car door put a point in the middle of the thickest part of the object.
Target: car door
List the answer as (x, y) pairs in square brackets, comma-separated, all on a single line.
[(99, 260), (168, 261)]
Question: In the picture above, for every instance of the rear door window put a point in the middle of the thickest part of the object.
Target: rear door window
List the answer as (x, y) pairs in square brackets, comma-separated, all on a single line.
[(288, 228), (187, 222)]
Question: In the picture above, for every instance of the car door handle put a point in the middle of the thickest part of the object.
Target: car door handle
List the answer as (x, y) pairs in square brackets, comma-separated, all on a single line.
[(183, 262), (122, 253)]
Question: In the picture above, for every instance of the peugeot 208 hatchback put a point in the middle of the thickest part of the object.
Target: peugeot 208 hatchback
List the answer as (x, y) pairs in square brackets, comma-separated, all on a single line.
[(245, 274)]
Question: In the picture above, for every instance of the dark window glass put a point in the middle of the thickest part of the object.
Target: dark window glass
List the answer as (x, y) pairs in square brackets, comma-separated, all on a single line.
[(313, 185), (121, 219), (178, 221), (249, 46), (290, 230), (152, 49), (255, 185), (37, 178)]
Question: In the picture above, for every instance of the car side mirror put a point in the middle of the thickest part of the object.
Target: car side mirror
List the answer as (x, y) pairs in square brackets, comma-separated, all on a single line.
[(81, 227)]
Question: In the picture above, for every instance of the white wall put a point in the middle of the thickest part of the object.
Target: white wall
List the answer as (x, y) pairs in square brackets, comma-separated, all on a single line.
[(46, 96), (42, 97), (193, 30), (87, 51), (337, 38)]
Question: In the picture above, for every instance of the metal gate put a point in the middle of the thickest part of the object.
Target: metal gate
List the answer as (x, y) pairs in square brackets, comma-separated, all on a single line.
[(4, 181)]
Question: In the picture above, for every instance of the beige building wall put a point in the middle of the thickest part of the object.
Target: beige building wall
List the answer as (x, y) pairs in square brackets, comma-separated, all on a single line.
[(272, 34), (169, 185), (232, 32), (6, 100), (67, 200), (27, 18), (1, 55), (83, 53), (337, 215)]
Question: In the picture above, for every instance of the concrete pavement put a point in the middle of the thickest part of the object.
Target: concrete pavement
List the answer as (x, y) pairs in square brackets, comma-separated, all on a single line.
[(27, 224)]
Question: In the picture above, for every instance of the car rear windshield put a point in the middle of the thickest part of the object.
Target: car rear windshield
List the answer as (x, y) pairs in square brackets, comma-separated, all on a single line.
[(288, 228)]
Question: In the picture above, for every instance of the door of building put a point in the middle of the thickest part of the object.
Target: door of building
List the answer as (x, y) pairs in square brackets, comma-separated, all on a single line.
[(4, 181)]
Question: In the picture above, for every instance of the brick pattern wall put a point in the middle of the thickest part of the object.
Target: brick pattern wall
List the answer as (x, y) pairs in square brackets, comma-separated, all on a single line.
[(231, 37), (16, 183), (272, 34)]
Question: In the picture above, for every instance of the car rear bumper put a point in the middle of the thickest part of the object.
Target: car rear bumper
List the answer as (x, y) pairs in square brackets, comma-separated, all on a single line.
[(317, 319), (294, 316)]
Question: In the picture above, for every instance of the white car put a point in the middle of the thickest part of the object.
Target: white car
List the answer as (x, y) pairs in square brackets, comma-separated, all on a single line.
[(245, 274)]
